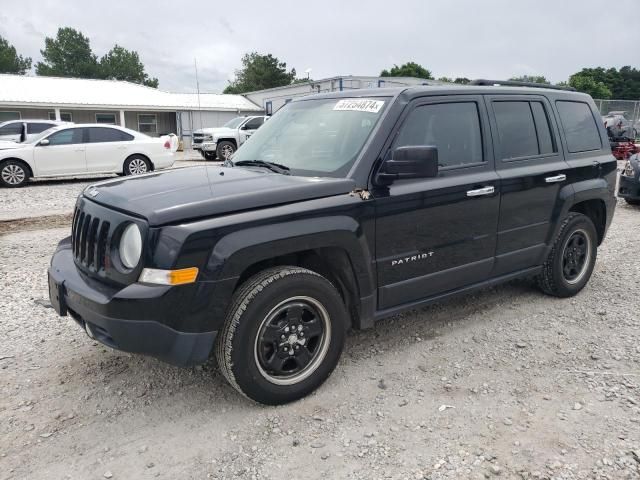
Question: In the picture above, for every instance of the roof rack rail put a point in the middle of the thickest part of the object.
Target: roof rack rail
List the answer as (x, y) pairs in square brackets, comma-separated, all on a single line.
[(514, 83)]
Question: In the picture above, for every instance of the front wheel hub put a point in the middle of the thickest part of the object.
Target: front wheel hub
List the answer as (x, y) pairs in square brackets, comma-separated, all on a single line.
[(292, 340)]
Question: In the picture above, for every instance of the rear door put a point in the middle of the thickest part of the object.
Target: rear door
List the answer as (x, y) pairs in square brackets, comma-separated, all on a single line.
[(438, 234), (532, 171), (107, 149), (12, 132), (63, 155), (36, 128)]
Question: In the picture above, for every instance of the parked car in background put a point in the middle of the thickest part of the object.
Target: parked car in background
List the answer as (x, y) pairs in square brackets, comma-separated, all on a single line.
[(630, 181), (23, 130), (222, 142), (84, 149)]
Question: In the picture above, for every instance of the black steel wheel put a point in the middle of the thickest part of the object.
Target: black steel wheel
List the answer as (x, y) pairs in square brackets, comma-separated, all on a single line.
[(292, 340), (572, 258), (283, 335)]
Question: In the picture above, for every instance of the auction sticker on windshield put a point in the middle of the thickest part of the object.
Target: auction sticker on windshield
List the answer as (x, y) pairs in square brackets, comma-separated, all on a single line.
[(359, 105)]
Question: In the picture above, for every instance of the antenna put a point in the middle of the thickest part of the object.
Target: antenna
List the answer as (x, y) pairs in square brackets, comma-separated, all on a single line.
[(195, 63)]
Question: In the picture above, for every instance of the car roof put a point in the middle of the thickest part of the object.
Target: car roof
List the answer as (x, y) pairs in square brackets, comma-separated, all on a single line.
[(433, 90)]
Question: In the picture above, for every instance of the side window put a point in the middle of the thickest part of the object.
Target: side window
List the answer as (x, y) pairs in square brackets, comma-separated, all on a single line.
[(66, 137), (254, 123), (11, 129), (454, 128), (516, 129), (102, 135), (580, 128), (546, 142), (38, 127)]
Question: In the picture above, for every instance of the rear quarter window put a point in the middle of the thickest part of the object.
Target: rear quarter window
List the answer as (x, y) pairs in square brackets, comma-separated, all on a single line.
[(579, 125)]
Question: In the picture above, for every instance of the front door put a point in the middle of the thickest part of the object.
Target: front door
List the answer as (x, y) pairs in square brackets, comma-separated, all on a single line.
[(249, 128), (532, 171), (438, 234), (63, 155)]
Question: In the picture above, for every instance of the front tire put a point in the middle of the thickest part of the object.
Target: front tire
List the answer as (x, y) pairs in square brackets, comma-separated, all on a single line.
[(632, 201), (136, 165), (283, 335), (572, 259), (225, 149), (13, 174)]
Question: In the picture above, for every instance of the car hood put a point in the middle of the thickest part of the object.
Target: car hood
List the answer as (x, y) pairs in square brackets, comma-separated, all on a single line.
[(196, 192), (218, 132), (5, 145)]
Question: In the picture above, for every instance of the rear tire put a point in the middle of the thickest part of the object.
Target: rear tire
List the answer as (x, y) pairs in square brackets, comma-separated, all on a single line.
[(225, 149), (572, 258), (13, 174), (283, 335), (136, 165), (209, 155)]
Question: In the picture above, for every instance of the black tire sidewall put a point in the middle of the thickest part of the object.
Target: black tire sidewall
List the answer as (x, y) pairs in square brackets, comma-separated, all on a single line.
[(219, 149), (127, 164), (19, 164), (579, 222), (245, 371)]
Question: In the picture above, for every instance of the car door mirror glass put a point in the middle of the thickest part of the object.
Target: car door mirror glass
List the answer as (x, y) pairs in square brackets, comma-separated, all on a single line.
[(44, 143), (408, 162)]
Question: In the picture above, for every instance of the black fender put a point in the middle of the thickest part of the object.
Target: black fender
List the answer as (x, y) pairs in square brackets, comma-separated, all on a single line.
[(572, 194), (238, 251)]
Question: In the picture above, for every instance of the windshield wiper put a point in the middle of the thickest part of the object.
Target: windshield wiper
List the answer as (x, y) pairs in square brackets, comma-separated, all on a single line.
[(274, 167)]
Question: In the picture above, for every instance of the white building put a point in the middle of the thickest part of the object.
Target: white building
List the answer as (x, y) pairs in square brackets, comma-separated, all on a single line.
[(272, 99), (134, 106)]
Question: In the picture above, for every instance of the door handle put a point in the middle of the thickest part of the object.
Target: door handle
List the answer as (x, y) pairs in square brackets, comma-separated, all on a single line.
[(79, 150), (557, 178), (480, 191)]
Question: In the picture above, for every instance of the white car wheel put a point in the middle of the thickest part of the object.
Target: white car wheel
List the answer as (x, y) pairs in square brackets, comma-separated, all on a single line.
[(13, 174), (136, 166)]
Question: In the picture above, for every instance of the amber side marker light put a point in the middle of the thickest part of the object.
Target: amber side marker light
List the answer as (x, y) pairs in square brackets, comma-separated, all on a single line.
[(169, 277)]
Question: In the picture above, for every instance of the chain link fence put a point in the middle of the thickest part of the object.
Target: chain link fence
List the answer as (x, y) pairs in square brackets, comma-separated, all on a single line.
[(629, 109)]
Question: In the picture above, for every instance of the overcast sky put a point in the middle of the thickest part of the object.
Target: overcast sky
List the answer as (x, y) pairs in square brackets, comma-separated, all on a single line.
[(475, 39)]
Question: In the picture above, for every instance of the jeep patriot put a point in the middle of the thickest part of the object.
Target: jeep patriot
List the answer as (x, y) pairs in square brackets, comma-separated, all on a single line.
[(342, 209)]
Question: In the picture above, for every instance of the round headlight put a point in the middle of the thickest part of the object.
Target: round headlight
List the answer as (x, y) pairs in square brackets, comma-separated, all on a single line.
[(130, 246)]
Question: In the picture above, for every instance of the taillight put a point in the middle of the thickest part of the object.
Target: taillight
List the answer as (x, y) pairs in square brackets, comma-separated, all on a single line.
[(167, 145)]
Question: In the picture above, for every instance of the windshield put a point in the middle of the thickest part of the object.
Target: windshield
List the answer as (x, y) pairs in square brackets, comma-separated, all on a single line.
[(235, 123), (320, 138)]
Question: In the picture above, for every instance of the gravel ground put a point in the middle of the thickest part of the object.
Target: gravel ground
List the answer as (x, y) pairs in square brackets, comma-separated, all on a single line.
[(53, 197), (504, 383)]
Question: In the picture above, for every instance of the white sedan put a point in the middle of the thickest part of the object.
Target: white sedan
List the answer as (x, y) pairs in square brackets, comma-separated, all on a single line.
[(72, 150)]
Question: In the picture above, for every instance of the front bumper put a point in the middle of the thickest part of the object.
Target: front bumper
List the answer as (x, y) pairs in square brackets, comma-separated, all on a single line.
[(105, 314), (629, 187), (208, 146)]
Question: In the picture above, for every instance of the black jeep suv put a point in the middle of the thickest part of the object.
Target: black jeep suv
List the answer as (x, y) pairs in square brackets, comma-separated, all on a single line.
[(342, 209)]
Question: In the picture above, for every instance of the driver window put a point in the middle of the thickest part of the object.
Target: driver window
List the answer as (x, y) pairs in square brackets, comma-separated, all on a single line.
[(66, 137), (454, 128)]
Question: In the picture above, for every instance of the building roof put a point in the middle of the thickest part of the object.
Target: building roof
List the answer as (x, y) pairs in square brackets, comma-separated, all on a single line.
[(25, 91)]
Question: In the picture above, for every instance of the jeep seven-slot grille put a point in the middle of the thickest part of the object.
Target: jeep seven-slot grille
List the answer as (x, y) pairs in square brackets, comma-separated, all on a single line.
[(89, 236)]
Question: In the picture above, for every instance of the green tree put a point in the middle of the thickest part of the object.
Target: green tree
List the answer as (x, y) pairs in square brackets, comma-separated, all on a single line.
[(409, 69), (587, 84), (10, 61), (624, 84), (259, 72), (445, 79), (461, 80), (68, 55), (531, 79), (122, 64)]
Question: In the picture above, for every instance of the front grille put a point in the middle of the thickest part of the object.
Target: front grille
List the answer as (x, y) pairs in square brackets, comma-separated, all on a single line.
[(89, 237), (201, 137)]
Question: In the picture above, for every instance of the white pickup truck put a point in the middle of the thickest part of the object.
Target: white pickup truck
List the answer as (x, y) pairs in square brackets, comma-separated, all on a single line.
[(222, 142)]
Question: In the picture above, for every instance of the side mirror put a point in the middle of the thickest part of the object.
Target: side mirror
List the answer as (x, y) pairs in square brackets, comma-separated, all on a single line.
[(44, 143), (409, 162)]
